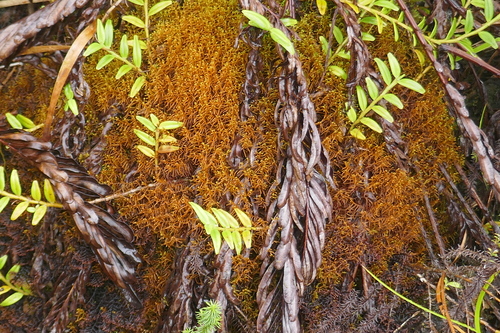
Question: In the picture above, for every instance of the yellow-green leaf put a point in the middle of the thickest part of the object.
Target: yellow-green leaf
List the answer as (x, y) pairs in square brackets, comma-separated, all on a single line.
[(13, 121), (12, 299), (104, 61), (2, 178), (36, 193), (413, 85), (124, 47), (124, 69), (170, 125), (139, 82), (108, 34), (48, 191), (225, 219), (159, 7), (146, 150), (73, 106), (257, 20), (167, 139), (469, 21), (68, 92), (4, 289), (216, 240), (238, 244), (489, 10), (136, 52), (39, 214), (288, 21), (357, 134), (279, 37), (207, 219), (362, 100), (488, 39), (337, 33), (351, 115), (134, 20), (94, 47), (146, 122), (372, 124), (4, 201), (372, 88), (145, 137), (21, 208), (338, 71), (154, 119), (394, 100), (244, 219), (381, 111), (100, 32), (13, 271), (228, 237), (384, 71), (3, 260), (25, 121), (247, 238), (394, 64), (321, 6), (15, 184)]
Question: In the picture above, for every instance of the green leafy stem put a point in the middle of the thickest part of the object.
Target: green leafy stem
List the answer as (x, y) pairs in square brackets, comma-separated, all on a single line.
[(144, 24), (221, 222), (8, 286), (104, 36), (466, 25), (38, 208), (260, 21), (161, 141), (391, 78), (477, 315)]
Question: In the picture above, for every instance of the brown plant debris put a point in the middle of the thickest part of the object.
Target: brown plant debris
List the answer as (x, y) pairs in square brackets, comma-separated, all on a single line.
[(110, 239)]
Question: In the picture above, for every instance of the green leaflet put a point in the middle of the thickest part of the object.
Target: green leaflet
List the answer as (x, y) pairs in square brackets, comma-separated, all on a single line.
[(146, 122), (12, 299), (257, 20), (159, 7), (48, 191), (15, 184), (145, 137)]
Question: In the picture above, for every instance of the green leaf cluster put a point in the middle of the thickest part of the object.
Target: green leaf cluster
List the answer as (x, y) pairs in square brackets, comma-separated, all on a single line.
[(221, 225), (159, 139), (105, 36), (209, 319), (70, 100), (463, 29), (260, 21), (32, 204), (340, 50), (8, 286), (19, 121), (144, 24), (371, 102)]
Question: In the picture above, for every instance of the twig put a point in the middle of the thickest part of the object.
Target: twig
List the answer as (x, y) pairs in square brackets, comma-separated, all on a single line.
[(434, 227)]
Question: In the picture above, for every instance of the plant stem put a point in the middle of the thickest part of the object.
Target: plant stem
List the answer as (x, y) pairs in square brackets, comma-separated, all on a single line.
[(117, 56), (31, 201), (146, 19), (375, 101), (13, 287)]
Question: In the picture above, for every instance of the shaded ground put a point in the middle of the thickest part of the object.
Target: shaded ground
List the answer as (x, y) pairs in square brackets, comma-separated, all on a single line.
[(267, 132)]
